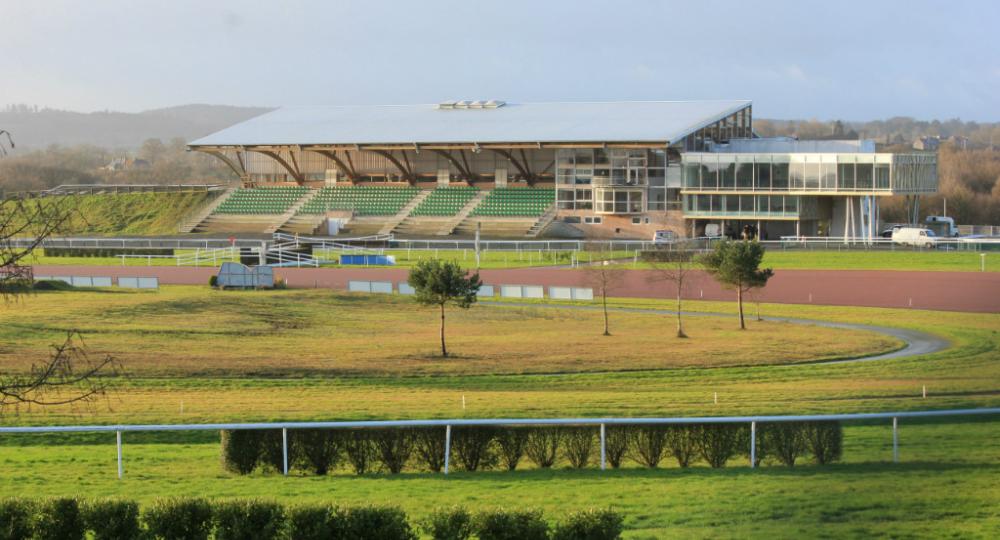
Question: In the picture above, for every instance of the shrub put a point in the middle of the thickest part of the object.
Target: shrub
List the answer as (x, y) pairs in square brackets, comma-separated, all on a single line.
[(58, 519), (825, 440), (394, 447), (616, 444), (512, 442), (578, 443), (378, 523), (648, 444), (112, 519), (359, 449), (428, 443), (213, 281), (15, 519), (240, 450), (500, 524), (449, 524), (590, 525), (317, 522), (718, 442), (473, 447), (248, 519), (272, 452), (682, 443), (316, 449), (179, 519), (785, 441), (542, 446)]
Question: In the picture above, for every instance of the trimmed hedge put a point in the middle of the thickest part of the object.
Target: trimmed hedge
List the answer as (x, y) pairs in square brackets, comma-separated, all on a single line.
[(590, 525), (254, 519), (179, 519), (58, 519), (454, 523), (248, 519), (16, 518), (474, 448), (501, 524), (112, 519)]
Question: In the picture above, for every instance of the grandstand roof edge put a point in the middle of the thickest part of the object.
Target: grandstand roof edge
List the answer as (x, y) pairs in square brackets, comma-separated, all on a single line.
[(550, 123)]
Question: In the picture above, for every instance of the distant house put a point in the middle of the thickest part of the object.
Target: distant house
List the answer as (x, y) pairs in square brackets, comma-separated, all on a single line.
[(959, 141), (125, 163), (927, 143)]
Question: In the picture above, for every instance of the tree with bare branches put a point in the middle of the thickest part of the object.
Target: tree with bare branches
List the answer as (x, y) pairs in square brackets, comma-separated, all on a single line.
[(69, 376), (604, 276), (675, 267)]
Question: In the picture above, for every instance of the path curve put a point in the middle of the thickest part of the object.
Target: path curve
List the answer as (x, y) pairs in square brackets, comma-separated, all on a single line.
[(917, 342)]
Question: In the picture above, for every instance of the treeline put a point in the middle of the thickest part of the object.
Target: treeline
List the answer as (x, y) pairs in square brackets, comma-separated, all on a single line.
[(969, 180), (155, 162), (893, 131), (192, 518)]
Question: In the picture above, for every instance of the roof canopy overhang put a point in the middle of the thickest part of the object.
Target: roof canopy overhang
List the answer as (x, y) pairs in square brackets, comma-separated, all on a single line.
[(632, 124)]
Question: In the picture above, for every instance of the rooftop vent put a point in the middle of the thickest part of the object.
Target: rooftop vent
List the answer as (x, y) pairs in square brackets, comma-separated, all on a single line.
[(490, 104)]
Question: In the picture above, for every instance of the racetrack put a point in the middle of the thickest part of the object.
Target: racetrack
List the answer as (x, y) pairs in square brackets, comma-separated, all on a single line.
[(949, 291)]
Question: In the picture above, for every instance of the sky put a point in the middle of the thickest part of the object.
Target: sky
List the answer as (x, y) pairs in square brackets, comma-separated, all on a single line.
[(846, 59)]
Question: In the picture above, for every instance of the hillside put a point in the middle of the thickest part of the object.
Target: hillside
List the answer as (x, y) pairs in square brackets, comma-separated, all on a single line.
[(131, 213), (36, 129)]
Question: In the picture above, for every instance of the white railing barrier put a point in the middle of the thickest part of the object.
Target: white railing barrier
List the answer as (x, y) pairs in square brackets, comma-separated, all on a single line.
[(501, 422)]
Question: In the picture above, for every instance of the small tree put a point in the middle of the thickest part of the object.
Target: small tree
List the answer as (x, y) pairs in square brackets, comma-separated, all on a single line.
[(604, 276), (439, 283), (736, 265), (673, 267)]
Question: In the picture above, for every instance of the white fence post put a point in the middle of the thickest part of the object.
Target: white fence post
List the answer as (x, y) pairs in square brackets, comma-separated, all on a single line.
[(895, 440), (753, 444), (603, 448), (118, 437), (284, 451), (447, 447)]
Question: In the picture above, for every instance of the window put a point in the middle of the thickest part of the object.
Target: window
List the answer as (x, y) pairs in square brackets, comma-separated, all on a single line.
[(636, 221)]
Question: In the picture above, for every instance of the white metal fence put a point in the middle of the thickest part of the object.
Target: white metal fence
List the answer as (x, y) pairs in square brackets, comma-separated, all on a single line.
[(599, 423)]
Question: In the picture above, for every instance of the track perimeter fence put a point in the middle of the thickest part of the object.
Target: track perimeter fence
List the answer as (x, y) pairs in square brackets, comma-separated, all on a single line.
[(599, 423)]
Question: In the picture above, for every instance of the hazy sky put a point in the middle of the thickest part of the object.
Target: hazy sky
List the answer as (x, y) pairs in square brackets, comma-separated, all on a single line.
[(846, 59)]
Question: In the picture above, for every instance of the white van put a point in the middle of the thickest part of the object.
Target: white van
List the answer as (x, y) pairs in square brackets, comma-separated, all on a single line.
[(913, 236)]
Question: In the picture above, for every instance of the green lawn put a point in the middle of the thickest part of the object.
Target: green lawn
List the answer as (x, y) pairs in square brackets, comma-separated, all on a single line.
[(938, 261), (945, 485), (201, 356)]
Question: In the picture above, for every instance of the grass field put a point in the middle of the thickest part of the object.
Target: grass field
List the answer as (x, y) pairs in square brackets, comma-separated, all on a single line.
[(945, 485), (200, 356)]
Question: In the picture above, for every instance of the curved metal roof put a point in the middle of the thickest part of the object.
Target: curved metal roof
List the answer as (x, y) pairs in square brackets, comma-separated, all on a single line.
[(625, 121)]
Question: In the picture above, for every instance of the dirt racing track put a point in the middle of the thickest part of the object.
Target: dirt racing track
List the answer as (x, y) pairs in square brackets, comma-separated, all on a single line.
[(950, 291)]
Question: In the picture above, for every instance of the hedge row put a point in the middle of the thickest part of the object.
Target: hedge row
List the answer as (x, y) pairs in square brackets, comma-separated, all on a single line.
[(474, 448), (251, 519)]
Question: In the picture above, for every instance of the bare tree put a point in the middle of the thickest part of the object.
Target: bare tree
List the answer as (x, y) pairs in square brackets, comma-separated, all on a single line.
[(673, 267), (24, 226), (69, 376), (604, 276)]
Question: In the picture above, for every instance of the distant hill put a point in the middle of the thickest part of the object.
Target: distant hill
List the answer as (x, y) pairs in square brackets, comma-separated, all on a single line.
[(37, 129)]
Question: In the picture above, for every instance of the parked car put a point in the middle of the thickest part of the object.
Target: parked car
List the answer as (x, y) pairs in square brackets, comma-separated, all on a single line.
[(664, 237), (914, 236)]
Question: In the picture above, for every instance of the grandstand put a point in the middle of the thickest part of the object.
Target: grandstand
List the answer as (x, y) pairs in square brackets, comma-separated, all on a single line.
[(603, 170)]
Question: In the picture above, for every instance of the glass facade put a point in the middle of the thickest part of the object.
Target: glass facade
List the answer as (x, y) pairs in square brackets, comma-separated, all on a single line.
[(613, 180), (746, 206), (819, 173)]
